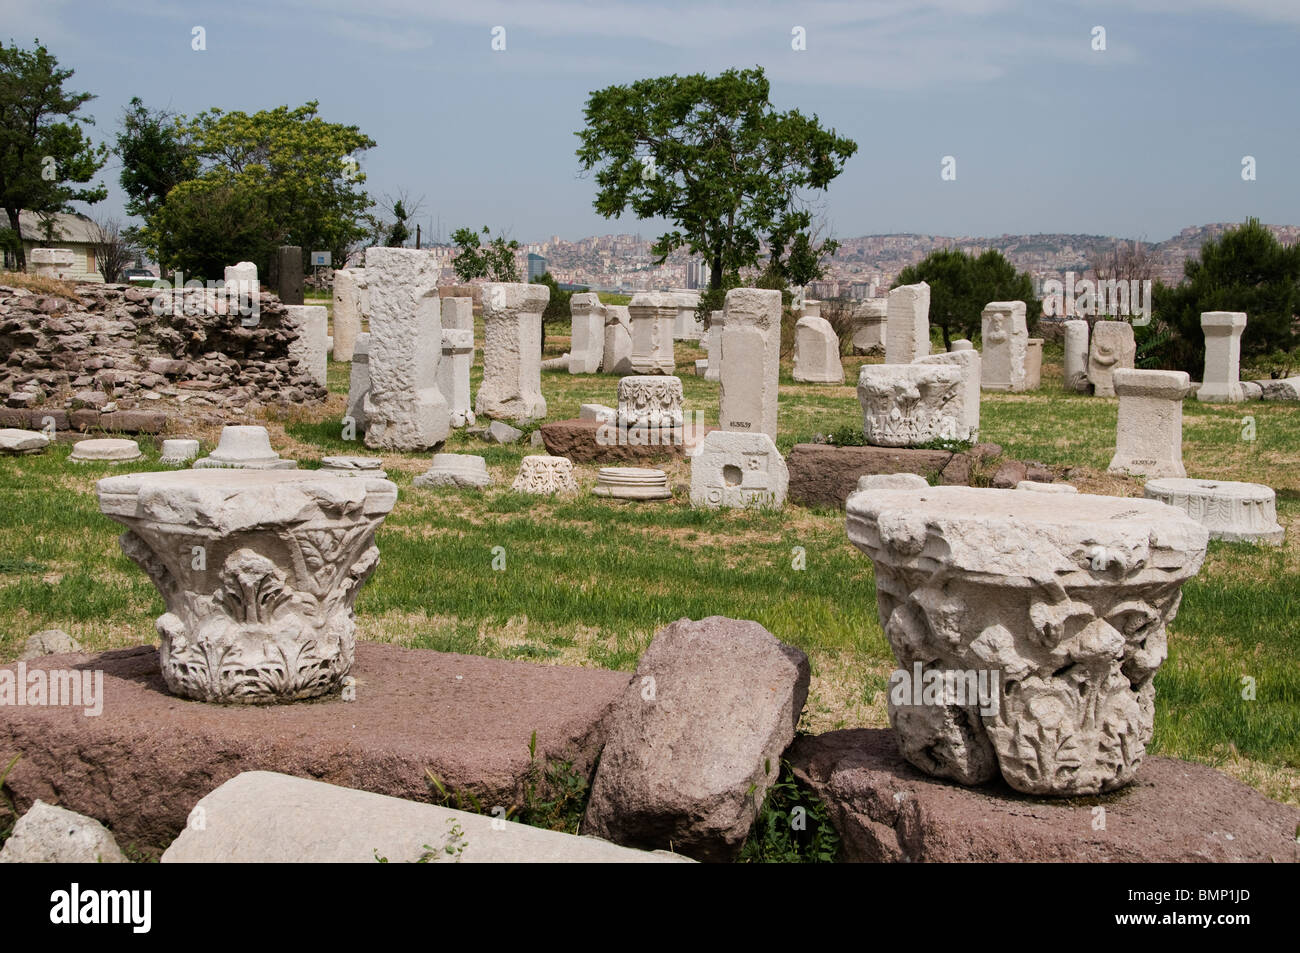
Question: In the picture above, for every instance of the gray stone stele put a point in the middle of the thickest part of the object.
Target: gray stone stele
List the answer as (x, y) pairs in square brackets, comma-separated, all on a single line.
[(359, 381), (288, 261), (696, 739), (264, 817), (47, 834), (405, 411)]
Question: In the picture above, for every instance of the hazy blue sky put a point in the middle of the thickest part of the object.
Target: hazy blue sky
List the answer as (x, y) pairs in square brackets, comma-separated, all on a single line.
[(1140, 140)]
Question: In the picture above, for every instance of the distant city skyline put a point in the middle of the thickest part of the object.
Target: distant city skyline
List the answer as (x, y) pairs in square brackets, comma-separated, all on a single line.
[(1048, 133)]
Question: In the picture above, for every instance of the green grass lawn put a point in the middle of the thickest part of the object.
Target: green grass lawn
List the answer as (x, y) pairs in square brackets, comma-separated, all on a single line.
[(588, 581)]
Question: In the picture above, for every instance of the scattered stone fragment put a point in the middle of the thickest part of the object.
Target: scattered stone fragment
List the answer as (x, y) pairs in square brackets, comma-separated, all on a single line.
[(178, 451), (696, 739), (1046, 487), (686, 326), (359, 382), (310, 348), (1076, 355), (347, 313), (49, 642), (457, 359), (617, 358), (354, 467), (587, 320), (826, 475), (713, 344), (1033, 363), (892, 481), (885, 810), (22, 442), (969, 360), (542, 474), (501, 432), (1287, 389), (262, 817), (868, 323), (596, 412), (455, 469), (51, 835)]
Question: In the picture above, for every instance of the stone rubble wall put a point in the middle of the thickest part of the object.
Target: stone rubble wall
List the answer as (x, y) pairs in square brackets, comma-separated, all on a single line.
[(107, 345)]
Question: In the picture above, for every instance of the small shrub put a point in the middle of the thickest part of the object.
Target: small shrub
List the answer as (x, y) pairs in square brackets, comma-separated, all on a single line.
[(847, 437), (792, 827)]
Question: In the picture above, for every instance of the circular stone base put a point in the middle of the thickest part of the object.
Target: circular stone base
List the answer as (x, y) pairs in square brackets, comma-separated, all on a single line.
[(1232, 511), (178, 452), (106, 450), (632, 483)]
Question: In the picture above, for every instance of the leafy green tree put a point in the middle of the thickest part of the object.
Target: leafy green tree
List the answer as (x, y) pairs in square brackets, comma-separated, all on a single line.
[(1244, 269), (291, 172), (494, 261), (961, 285), (398, 232), (44, 152), (712, 156), (804, 261), (210, 222), (558, 305), (155, 157)]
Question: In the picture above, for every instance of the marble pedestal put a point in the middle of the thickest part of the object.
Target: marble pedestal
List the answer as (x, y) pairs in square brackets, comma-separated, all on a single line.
[(1058, 603), (259, 570)]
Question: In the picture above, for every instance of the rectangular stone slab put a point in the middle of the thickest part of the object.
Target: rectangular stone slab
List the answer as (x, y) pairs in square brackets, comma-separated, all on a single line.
[(142, 765), (824, 475), (1176, 812), (581, 442)]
